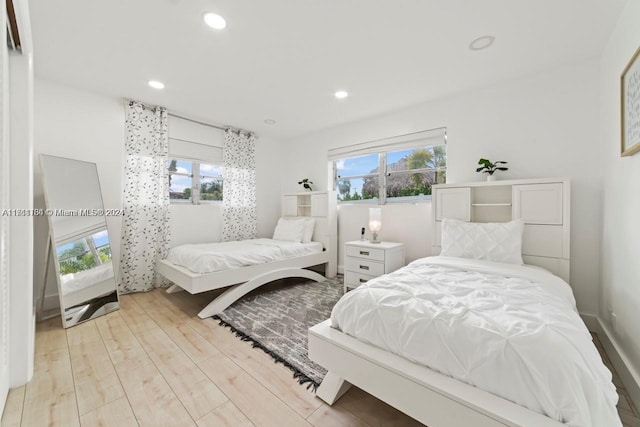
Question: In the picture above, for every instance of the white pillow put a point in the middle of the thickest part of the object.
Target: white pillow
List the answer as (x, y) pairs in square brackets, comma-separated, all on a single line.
[(290, 230), (309, 225), (499, 242)]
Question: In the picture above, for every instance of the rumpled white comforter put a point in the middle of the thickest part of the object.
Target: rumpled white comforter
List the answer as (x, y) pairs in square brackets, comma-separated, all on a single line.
[(209, 257), (511, 330)]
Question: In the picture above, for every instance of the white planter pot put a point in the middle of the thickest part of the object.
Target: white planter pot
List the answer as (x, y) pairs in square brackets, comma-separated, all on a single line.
[(491, 178)]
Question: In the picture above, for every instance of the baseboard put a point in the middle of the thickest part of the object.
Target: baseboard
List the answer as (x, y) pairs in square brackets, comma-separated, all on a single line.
[(628, 375)]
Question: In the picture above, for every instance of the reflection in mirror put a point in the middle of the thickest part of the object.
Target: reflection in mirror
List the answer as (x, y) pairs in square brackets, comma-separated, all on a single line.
[(78, 232)]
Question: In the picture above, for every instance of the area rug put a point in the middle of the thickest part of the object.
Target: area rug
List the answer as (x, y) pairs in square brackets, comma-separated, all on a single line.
[(278, 321)]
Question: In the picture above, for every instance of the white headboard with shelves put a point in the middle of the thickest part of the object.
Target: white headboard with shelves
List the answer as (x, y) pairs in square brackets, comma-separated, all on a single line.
[(543, 205), (321, 206)]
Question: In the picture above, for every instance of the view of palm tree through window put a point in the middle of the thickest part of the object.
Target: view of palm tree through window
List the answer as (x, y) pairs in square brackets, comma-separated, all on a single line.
[(407, 173)]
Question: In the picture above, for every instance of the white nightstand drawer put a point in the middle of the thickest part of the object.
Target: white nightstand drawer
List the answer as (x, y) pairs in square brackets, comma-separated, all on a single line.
[(367, 253), (364, 266), (353, 280)]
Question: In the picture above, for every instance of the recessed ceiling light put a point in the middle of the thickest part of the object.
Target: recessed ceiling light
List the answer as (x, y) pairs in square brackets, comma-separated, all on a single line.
[(341, 94), (270, 121), (215, 21), (482, 42), (156, 84)]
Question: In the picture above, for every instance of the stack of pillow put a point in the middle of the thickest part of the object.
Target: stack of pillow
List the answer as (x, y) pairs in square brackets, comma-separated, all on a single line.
[(294, 229)]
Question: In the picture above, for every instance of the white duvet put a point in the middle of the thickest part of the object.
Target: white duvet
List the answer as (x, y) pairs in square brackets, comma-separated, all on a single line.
[(511, 330), (210, 257)]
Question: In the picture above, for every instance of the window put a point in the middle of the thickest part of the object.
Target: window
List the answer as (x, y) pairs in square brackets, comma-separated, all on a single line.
[(392, 170), (194, 181), (358, 178), (84, 253), (412, 172)]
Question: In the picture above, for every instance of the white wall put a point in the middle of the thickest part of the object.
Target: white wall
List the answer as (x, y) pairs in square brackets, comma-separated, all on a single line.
[(544, 125), (269, 170), (621, 202)]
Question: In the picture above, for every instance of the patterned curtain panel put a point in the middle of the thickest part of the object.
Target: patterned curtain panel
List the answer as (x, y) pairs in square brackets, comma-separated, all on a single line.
[(239, 189), (145, 229)]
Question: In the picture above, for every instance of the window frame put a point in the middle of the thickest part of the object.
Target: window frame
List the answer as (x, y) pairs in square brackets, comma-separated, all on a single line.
[(362, 176), (383, 174), (195, 176)]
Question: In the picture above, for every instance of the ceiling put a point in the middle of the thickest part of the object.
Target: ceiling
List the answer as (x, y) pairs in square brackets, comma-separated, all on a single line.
[(284, 59)]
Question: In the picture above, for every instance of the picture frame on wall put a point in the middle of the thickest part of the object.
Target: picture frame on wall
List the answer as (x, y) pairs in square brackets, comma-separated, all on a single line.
[(630, 106)]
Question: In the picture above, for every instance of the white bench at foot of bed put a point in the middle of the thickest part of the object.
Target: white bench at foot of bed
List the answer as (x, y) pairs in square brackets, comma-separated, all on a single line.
[(240, 280)]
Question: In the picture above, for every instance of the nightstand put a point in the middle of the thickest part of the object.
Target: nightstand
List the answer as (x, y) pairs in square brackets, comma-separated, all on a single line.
[(364, 261)]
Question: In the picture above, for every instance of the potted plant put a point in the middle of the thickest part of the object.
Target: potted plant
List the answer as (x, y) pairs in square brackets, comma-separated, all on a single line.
[(489, 168), (306, 184)]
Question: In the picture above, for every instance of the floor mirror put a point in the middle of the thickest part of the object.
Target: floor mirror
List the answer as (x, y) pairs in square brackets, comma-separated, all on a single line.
[(79, 244)]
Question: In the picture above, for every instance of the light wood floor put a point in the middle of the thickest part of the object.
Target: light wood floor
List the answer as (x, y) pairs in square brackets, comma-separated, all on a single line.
[(155, 363)]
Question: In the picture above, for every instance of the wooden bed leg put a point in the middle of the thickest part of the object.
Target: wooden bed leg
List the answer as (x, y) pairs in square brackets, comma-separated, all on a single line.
[(332, 388), (234, 293), (173, 289)]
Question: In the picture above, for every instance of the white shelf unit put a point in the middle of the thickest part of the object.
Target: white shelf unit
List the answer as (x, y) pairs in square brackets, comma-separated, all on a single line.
[(322, 206), (542, 204)]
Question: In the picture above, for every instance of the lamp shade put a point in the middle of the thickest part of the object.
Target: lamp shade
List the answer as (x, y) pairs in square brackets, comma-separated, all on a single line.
[(375, 223), (375, 219)]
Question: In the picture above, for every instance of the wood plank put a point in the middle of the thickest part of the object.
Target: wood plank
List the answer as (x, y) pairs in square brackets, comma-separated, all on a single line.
[(226, 414), (251, 397), (12, 414), (177, 327), (134, 316), (50, 336), (96, 381), (116, 413), (151, 398), (120, 342), (336, 416), (50, 397), (153, 401), (373, 411), (83, 333), (196, 391)]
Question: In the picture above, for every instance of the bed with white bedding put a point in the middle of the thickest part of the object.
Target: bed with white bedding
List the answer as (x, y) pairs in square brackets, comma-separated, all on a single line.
[(209, 257), (242, 266), (474, 337), (511, 330)]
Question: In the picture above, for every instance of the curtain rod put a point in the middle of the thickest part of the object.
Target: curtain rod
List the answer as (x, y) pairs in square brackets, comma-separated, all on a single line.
[(223, 128)]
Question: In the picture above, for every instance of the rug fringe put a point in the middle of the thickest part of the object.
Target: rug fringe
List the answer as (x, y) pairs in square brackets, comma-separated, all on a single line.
[(300, 376)]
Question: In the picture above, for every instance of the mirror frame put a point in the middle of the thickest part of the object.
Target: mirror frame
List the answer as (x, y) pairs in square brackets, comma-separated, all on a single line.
[(93, 307)]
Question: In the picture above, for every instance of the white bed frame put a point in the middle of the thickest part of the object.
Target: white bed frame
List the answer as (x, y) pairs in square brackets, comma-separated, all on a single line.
[(245, 279), (426, 395)]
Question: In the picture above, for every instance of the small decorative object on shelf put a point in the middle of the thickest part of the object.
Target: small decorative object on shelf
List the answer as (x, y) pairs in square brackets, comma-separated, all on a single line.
[(375, 223), (306, 184), (489, 168), (362, 234)]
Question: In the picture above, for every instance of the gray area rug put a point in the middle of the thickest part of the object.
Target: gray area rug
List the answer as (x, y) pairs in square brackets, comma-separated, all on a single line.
[(278, 321)]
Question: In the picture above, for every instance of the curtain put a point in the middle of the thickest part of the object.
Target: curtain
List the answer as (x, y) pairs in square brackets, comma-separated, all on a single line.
[(145, 227), (239, 189)]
